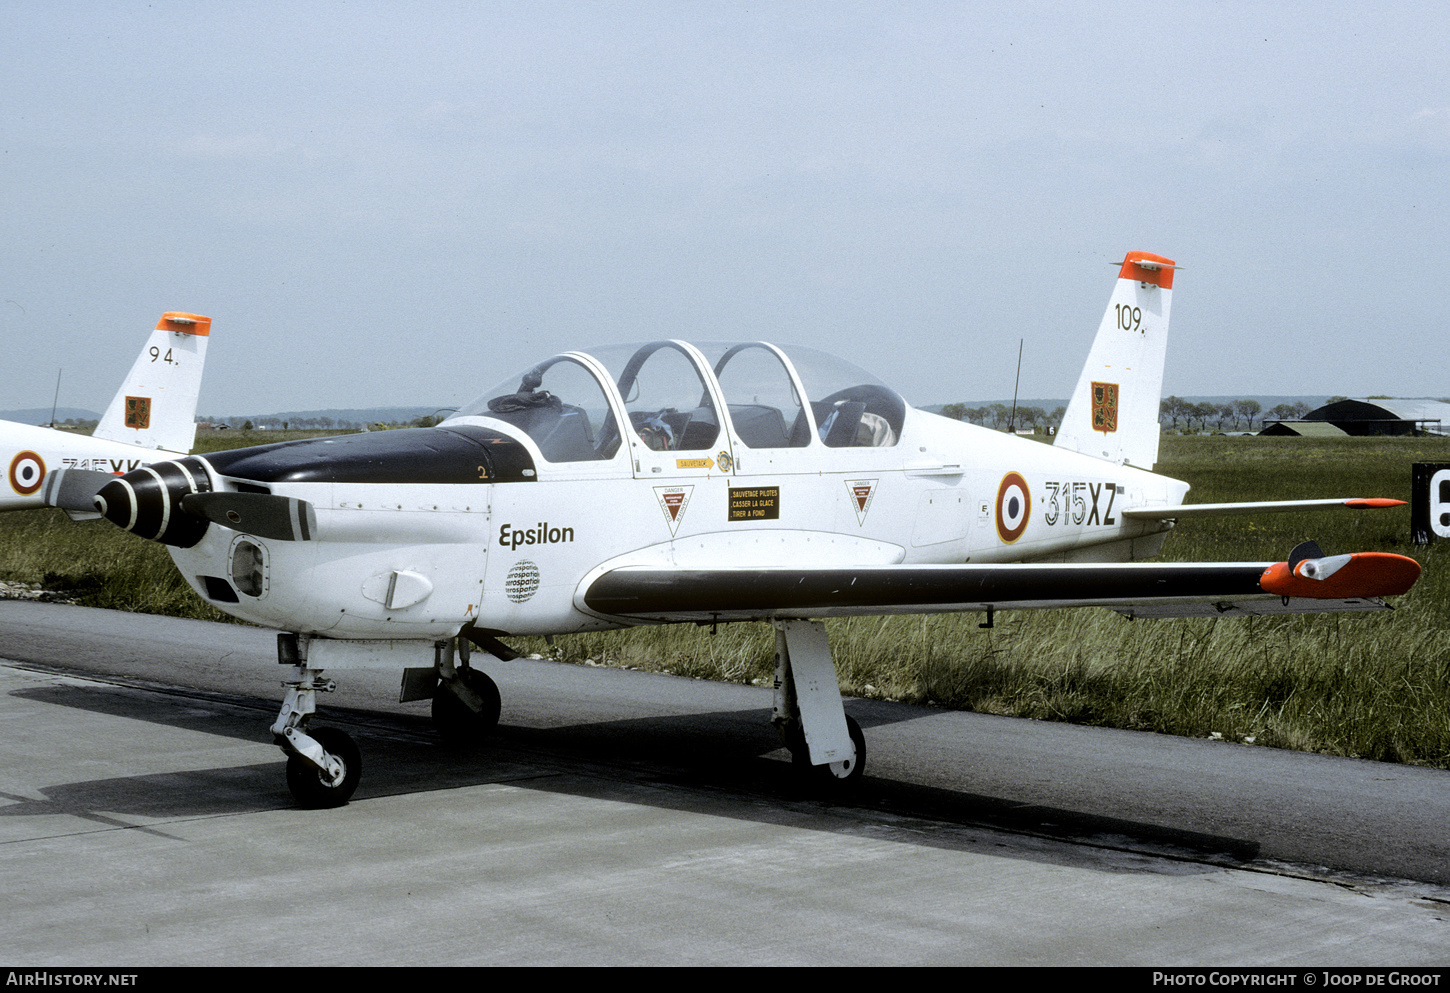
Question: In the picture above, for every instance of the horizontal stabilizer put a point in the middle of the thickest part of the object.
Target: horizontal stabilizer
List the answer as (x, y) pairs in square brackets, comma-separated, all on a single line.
[(1265, 507)]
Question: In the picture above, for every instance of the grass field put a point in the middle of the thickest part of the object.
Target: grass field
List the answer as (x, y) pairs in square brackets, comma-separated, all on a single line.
[(1375, 686)]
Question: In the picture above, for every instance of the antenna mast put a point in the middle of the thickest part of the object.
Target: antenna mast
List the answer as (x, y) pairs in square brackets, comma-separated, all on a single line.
[(56, 400), (1012, 419)]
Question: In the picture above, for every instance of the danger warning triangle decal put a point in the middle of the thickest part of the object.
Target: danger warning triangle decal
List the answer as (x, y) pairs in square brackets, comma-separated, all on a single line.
[(673, 501), (861, 490)]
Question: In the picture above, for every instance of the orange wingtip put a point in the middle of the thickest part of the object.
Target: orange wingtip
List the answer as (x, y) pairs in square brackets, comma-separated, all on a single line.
[(1373, 503), (1366, 574), (1157, 270), (183, 323)]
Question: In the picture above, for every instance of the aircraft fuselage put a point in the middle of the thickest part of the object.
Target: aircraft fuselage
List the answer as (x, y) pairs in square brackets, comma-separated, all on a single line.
[(421, 560)]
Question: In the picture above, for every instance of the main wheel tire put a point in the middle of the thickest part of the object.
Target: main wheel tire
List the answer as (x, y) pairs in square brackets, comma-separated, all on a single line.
[(312, 788), (833, 775), (460, 726)]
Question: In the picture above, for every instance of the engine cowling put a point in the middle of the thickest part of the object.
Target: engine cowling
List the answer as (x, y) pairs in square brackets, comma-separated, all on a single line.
[(147, 501)]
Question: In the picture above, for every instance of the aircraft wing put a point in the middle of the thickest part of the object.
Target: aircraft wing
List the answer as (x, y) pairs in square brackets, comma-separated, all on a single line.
[(1304, 585), (1181, 511)]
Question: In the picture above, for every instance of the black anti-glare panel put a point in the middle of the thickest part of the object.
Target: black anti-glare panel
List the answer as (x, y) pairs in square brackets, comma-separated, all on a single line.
[(411, 455)]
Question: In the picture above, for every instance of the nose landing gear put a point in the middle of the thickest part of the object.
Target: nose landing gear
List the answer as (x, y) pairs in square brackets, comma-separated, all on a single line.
[(323, 764)]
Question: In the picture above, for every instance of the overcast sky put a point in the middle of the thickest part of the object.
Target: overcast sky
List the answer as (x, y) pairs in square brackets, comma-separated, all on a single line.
[(401, 203)]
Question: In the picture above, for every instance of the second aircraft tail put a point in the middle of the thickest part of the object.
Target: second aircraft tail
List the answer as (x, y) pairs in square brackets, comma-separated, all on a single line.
[(156, 405)]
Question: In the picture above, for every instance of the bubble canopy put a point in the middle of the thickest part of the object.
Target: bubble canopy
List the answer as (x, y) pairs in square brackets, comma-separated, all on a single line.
[(677, 396)]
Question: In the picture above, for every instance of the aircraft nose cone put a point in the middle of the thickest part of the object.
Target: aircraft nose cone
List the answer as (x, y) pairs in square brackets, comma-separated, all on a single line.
[(147, 502)]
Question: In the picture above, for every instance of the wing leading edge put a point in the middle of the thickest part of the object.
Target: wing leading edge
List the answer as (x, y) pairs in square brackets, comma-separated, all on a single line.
[(1317, 585)]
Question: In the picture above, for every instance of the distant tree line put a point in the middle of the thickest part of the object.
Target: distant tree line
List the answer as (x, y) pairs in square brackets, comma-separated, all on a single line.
[(288, 424), (1236, 414), (1173, 411), (78, 424), (999, 414), (321, 423)]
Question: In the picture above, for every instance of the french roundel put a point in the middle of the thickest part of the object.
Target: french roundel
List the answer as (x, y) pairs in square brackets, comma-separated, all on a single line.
[(1014, 507), (27, 472)]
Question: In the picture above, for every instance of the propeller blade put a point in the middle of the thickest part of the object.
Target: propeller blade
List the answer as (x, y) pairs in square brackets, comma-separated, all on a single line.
[(74, 490), (262, 514), (1304, 550)]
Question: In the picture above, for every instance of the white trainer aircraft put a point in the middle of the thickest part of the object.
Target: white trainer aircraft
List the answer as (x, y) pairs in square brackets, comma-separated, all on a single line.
[(151, 418), (669, 482)]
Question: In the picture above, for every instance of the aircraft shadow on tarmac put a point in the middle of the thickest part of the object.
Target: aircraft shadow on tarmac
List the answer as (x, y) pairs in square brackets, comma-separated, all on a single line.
[(726, 763)]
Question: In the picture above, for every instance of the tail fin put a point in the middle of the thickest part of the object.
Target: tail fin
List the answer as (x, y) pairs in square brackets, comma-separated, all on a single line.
[(156, 406), (1113, 414)]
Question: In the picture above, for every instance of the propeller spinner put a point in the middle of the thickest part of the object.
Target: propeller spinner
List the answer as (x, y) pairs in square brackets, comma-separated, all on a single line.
[(147, 501)]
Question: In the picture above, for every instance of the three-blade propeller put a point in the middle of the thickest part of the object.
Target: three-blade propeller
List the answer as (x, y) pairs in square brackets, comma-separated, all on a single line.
[(173, 503)]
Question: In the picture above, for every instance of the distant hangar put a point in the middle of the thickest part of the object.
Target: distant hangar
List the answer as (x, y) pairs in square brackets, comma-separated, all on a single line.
[(1379, 415)]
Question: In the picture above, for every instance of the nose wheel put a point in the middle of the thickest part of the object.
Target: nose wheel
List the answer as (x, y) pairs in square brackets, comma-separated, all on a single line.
[(327, 780), (323, 764)]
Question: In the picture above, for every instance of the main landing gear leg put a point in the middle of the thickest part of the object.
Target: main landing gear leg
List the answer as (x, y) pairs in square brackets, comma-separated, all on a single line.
[(821, 738), (466, 701), (323, 766)]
